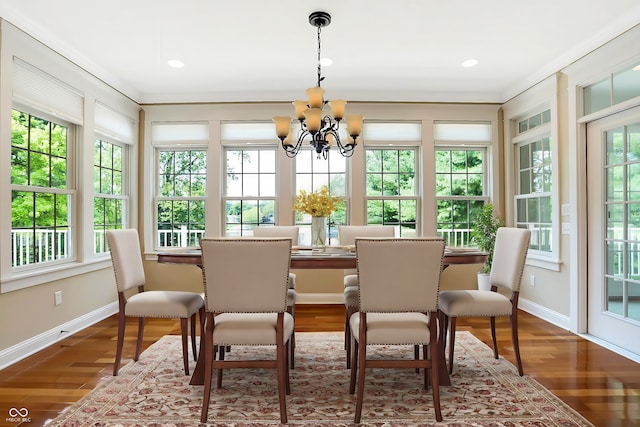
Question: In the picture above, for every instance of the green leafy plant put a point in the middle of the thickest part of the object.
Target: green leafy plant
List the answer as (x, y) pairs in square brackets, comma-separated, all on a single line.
[(486, 226)]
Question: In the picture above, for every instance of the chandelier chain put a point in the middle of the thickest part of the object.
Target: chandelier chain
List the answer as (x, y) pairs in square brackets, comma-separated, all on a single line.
[(319, 57)]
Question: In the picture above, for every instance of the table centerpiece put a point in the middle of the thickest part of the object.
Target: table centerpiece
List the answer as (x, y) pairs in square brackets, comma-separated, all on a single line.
[(319, 204)]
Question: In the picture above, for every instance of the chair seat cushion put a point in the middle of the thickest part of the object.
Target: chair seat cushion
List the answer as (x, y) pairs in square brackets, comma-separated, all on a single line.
[(351, 296), (393, 328), (249, 328), (471, 303), (163, 304)]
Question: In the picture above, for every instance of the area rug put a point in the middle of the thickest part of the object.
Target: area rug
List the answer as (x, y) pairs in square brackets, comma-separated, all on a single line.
[(155, 392)]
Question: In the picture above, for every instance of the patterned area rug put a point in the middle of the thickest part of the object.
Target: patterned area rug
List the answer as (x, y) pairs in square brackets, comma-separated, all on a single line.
[(155, 392)]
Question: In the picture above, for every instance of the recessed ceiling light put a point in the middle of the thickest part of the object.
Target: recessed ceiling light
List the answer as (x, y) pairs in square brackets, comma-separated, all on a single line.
[(470, 63), (175, 63), (636, 68), (326, 62)]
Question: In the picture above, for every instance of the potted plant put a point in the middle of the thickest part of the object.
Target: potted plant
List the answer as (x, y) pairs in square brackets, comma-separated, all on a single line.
[(486, 226)]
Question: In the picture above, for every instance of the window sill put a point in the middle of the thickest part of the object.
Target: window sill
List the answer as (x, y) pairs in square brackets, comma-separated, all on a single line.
[(548, 263), (25, 279)]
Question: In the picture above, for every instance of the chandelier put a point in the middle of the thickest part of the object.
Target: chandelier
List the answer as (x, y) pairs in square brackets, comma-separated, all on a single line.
[(319, 129)]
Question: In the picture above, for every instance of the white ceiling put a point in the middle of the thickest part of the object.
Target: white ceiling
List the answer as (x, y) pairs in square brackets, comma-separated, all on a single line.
[(260, 50)]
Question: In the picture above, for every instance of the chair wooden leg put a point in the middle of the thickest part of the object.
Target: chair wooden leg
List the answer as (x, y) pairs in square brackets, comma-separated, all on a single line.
[(292, 343), (288, 384), (435, 378), (516, 342), (281, 361), (362, 360), (122, 321), (184, 327), (193, 336), (493, 337), (139, 341), (348, 312), (354, 365), (208, 357), (443, 321), (452, 340), (424, 356), (221, 350)]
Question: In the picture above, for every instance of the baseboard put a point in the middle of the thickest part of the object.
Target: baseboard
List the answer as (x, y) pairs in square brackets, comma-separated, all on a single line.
[(560, 320), (320, 298), (34, 344)]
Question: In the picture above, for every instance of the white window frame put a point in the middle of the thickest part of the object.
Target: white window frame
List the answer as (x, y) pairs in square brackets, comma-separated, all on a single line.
[(70, 191), (123, 197), (541, 98), (225, 197), (463, 146), (157, 198), (417, 196), (532, 137)]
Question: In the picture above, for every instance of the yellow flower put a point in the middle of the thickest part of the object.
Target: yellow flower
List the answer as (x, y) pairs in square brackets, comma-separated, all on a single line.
[(318, 203)]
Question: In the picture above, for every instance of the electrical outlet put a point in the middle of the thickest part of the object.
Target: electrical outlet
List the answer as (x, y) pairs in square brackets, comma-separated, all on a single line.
[(57, 296), (532, 280)]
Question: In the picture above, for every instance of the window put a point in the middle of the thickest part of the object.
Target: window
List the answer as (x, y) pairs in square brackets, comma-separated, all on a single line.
[(250, 189), (42, 190), (391, 191), (533, 201), (460, 194), (615, 89), (182, 191), (109, 200), (311, 174)]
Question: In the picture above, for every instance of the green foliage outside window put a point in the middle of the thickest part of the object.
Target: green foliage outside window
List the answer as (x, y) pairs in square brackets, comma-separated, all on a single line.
[(182, 188), (108, 204), (459, 192), (39, 216), (391, 188)]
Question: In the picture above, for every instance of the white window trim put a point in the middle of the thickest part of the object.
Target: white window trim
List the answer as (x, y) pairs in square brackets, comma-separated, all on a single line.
[(540, 98), (235, 146), (417, 197), (156, 198)]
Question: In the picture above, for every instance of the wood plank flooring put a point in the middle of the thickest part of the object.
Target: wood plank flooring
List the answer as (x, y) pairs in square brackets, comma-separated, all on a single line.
[(603, 386)]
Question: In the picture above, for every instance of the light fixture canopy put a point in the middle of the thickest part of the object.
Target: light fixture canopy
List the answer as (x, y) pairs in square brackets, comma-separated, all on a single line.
[(321, 130)]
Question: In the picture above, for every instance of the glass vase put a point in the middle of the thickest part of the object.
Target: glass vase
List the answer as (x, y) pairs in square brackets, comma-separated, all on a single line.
[(318, 232)]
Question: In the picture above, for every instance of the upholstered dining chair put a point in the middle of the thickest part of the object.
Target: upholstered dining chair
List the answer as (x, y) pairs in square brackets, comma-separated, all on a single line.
[(233, 269), (126, 258), (509, 256), (399, 281), (292, 232), (347, 235)]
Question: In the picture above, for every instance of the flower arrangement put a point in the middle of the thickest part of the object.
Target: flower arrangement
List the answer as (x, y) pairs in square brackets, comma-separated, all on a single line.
[(317, 203)]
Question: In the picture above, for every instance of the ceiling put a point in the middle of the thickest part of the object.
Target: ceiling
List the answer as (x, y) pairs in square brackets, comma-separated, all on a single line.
[(258, 50)]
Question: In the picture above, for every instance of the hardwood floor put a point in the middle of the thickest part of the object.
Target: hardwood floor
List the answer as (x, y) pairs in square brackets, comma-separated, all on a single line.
[(603, 386)]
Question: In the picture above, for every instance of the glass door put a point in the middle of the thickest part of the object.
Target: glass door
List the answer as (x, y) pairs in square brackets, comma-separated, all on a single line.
[(613, 168)]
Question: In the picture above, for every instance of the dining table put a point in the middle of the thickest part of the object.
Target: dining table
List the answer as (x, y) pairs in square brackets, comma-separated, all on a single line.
[(330, 258)]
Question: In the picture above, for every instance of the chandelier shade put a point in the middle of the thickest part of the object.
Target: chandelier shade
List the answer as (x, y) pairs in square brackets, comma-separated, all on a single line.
[(321, 130)]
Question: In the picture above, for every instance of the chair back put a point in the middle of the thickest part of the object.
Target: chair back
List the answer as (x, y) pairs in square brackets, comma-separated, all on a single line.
[(399, 275), (349, 233), (290, 231), (126, 258), (246, 275), (509, 256)]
